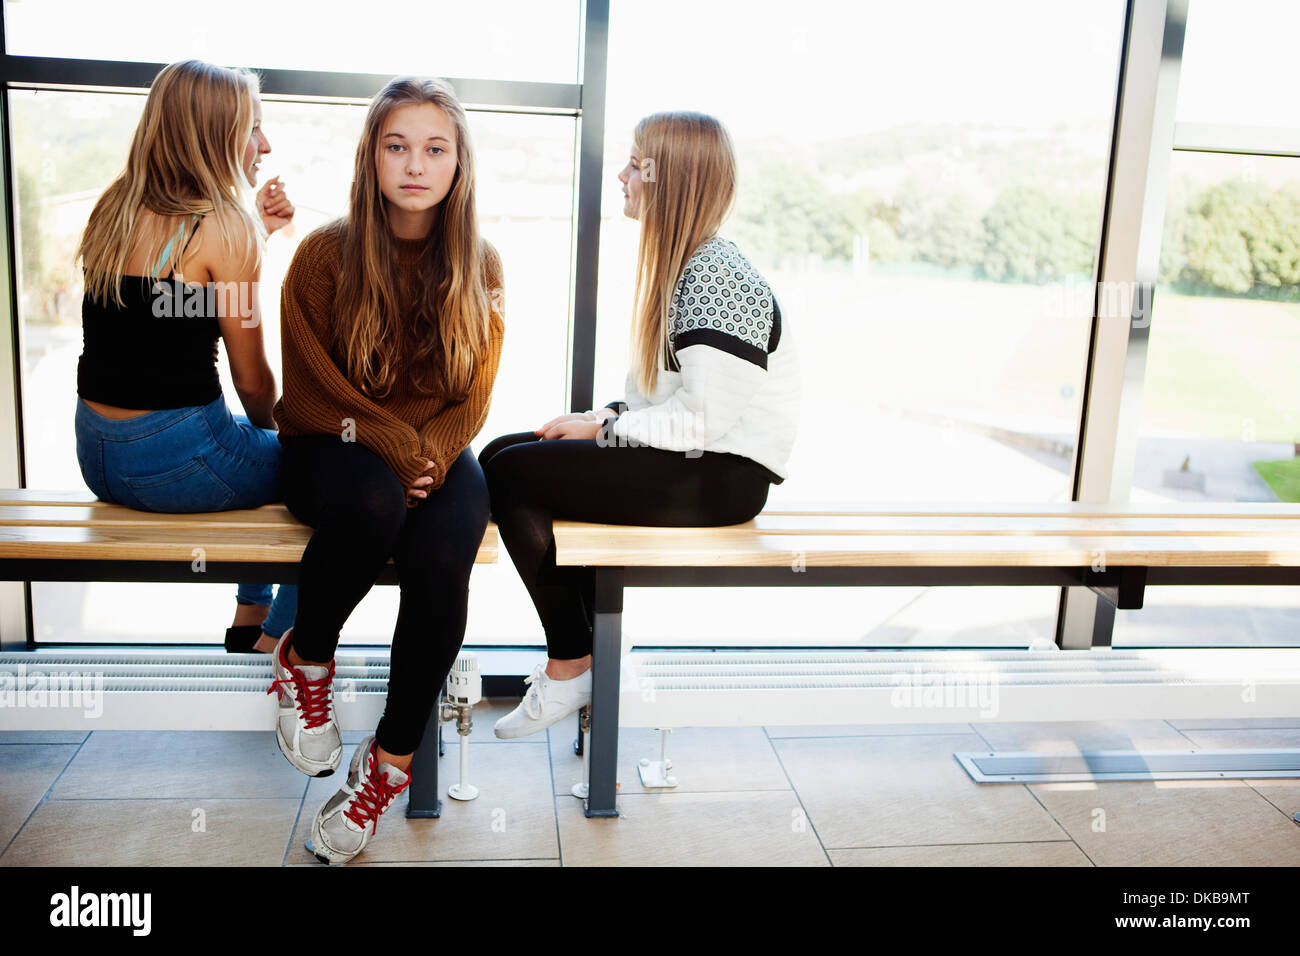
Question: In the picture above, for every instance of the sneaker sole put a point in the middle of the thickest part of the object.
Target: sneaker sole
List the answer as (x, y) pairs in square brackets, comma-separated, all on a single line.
[(312, 850), (323, 854), (311, 768)]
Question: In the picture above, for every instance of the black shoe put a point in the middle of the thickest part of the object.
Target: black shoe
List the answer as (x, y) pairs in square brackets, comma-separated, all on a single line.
[(240, 640)]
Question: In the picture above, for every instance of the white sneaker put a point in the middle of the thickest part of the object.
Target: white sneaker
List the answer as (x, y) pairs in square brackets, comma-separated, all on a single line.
[(548, 701), (305, 727), (347, 821)]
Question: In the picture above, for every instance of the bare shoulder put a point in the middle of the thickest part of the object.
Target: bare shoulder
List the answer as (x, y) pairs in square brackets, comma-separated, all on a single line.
[(227, 243)]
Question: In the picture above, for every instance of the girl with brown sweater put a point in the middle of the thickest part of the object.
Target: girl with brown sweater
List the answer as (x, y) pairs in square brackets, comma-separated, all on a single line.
[(392, 330)]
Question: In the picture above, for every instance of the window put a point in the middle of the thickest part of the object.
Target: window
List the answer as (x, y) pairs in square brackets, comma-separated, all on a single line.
[(1221, 400), (502, 40), (69, 146), (927, 209)]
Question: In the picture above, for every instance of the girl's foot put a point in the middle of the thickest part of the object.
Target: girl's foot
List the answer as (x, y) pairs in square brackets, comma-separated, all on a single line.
[(347, 821), (305, 727), (547, 702)]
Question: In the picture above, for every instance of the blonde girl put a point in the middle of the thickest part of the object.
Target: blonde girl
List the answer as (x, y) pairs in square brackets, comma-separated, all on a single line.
[(171, 256), (709, 417)]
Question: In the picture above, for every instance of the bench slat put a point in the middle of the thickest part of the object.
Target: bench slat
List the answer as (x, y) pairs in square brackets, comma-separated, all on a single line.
[(266, 517), (1074, 509), (277, 516), (596, 546), (983, 525), (1201, 509), (28, 496), (126, 543)]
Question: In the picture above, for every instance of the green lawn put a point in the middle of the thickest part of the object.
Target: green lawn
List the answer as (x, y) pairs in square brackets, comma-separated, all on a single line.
[(1223, 368), (1282, 476), (1220, 368)]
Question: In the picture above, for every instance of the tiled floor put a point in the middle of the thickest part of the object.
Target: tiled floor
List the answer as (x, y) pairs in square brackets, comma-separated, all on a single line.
[(797, 796)]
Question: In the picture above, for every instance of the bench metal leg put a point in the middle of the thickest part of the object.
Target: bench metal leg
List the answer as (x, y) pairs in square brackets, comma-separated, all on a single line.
[(422, 795), (607, 647)]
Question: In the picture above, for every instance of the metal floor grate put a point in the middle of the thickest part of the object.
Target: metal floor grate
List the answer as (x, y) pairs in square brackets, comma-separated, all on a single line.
[(1098, 765)]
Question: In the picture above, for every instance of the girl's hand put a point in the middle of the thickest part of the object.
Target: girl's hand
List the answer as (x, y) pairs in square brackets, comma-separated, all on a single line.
[(419, 489), (274, 206), (578, 417), (583, 428)]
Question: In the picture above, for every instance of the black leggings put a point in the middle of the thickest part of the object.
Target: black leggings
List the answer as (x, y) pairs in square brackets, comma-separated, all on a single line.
[(533, 481), (358, 508)]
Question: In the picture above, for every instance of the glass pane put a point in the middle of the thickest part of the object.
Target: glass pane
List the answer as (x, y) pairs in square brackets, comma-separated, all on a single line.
[(69, 146), (502, 39), (926, 204), (1239, 64), (1221, 402)]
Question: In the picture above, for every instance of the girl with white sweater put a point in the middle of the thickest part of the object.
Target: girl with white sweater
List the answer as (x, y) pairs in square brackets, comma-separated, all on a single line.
[(708, 422)]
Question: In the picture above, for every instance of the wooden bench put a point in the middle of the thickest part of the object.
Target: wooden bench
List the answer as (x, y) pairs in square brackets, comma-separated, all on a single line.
[(1116, 552), (71, 536), (68, 536)]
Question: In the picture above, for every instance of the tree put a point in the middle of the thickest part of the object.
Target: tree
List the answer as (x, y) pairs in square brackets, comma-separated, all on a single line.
[(1036, 234)]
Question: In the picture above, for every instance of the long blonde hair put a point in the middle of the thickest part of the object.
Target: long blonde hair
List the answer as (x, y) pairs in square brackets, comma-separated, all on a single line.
[(186, 159), (438, 341), (688, 185)]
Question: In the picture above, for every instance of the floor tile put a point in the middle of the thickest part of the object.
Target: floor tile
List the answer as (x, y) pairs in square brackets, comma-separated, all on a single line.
[(1283, 794), (1237, 723), (867, 730), (759, 828), (703, 758), (26, 773), (1253, 739), (43, 736), (183, 764), (1068, 737), (901, 791), (1058, 853), (513, 817), (154, 833), (1173, 823)]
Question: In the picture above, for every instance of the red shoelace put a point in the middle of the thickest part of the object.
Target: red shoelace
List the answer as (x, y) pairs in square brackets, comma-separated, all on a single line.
[(373, 797), (312, 697)]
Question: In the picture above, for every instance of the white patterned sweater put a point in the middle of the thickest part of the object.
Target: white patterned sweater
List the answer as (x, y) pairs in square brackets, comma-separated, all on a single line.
[(732, 382)]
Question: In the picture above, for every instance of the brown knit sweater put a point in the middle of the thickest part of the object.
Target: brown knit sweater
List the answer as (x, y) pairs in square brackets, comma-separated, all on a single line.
[(404, 428)]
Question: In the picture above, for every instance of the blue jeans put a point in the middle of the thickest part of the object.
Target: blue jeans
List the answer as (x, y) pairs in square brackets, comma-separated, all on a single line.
[(184, 460)]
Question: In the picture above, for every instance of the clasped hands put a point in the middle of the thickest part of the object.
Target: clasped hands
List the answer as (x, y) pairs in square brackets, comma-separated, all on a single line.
[(586, 425), (581, 425)]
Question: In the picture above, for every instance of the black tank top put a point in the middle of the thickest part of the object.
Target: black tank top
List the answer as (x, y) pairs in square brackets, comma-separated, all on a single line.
[(158, 351)]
